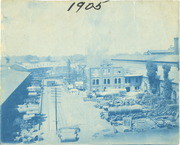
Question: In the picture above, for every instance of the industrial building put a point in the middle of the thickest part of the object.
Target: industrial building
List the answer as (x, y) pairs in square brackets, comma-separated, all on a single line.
[(138, 66), (108, 77), (171, 51)]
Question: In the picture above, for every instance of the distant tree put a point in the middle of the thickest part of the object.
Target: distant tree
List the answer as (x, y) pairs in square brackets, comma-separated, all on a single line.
[(77, 58), (7, 59), (152, 77), (106, 62), (68, 62), (74, 75), (167, 84), (31, 58), (49, 58), (166, 70)]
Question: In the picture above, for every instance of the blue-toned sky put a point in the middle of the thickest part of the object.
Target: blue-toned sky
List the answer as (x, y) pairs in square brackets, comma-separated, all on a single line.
[(47, 28)]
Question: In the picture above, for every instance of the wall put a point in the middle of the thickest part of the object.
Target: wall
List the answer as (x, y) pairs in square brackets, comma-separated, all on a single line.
[(9, 112), (98, 79), (104, 73), (134, 84)]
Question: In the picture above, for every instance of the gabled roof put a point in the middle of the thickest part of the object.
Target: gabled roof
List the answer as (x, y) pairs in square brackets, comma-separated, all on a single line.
[(145, 58), (160, 51), (126, 62)]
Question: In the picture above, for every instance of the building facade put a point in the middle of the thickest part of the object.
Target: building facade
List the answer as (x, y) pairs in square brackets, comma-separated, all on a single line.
[(109, 77), (133, 82)]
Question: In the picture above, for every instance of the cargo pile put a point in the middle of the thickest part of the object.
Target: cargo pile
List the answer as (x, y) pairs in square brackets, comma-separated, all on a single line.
[(30, 117), (137, 111)]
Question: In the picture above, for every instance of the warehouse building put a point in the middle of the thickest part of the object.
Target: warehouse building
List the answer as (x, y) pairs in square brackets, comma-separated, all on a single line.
[(13, 92)]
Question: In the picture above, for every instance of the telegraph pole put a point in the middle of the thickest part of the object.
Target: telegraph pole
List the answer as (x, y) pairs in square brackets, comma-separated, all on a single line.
[(41, 103), (69, 70), (82, 69), (56, 106)]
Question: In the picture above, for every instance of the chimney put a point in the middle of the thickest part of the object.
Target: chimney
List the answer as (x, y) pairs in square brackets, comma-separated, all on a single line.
[(176, 45)]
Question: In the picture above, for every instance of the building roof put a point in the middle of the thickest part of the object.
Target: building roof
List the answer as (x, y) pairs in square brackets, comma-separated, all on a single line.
[(160, 51), (133, 71), (136, 64), (133, 75), (29, 66), (145, 58), (10, 80)]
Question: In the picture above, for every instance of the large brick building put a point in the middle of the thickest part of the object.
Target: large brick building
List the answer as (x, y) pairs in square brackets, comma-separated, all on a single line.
[(109, 77)]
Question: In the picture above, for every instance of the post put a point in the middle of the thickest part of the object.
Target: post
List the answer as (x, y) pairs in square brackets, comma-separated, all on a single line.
[(69, 70), (56, 107), (41, 99), (90, 79), (42, 91)]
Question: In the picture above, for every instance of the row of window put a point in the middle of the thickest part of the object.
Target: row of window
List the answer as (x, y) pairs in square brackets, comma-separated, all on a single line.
[(116, 81), (128, 89), (105, 71), (106, 81), (95, 82), (128, 80)]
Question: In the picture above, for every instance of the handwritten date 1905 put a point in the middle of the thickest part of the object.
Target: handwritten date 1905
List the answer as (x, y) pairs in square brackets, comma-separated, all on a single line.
[(87, 6)]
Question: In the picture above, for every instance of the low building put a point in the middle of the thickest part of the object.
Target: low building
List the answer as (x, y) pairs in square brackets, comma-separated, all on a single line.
[(79, 85), (52, 82), (133, 82)]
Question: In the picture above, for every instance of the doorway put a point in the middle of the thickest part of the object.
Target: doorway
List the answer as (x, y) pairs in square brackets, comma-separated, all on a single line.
[(128, 89)]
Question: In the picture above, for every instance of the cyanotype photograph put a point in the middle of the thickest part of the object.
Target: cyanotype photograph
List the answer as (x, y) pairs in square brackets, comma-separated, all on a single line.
[(89, 72)]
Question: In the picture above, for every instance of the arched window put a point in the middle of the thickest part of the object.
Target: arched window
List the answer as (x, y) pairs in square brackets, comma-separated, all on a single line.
[(94, 82), (104, 81), (119, 80), (108, 81), (126, 80), (97, 82), (115, 80), (137, 88)]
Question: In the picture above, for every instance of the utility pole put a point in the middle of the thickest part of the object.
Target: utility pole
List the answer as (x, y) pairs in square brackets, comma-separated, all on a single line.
[(82, 70), (69, 70), (42, 91), (56, 107)]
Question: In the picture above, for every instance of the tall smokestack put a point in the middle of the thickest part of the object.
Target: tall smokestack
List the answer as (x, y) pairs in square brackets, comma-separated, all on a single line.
[(176, 45)]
